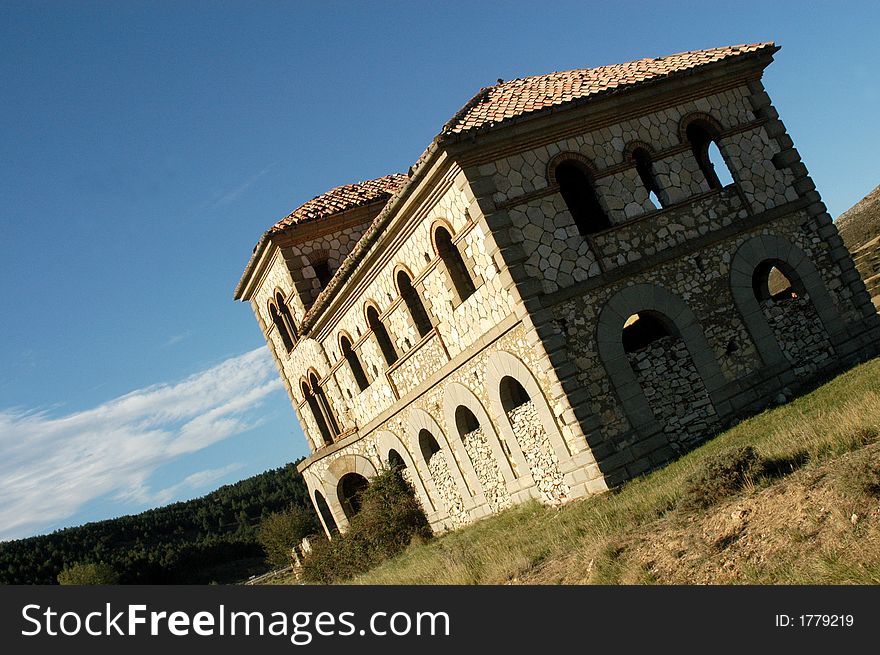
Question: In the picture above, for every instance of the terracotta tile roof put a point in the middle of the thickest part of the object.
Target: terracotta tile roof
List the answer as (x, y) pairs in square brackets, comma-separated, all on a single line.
[(508, 100), (342, 198)]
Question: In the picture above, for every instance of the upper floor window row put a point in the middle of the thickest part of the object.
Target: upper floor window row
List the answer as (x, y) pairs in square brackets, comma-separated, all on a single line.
[(576, 180)]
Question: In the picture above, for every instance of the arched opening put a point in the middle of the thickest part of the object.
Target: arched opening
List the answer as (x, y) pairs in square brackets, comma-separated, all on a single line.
[(642, 329), (462, 283), (513, 394), (792, 317), (320, 408), (389, 352), (465, 421), (286, 316), (414, 304), (669, 378), (354, 363), (475, 439), (278, 322), (350, 488), (322, 271), (428, 445), (704, 145), (326, 514), (395, 460), (576, 187), (645, 169), (769, 282)]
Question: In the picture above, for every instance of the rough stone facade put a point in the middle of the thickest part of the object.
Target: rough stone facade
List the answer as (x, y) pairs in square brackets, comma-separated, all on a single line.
[(479, 330)]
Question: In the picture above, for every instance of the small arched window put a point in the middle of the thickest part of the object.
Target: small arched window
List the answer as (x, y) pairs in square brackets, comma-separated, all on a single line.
[(414, 304), (465, 421), (462, 283), (378, 327), (776, 280), (354, 362), (279, 314), (320, 408), (428, 445), (513, 394), (703, 139), (645, 169), (576, 187), (322, 271)]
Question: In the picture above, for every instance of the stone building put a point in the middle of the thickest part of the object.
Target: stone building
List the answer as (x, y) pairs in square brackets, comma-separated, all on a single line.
[(584, 275)]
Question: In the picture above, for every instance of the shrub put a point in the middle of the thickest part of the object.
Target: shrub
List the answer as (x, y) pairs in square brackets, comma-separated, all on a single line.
[(390, 519), (719, 476), (88, 573), (281, 531)]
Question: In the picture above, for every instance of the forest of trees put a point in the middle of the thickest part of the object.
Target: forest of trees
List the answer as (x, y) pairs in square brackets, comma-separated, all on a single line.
[(208, 539)]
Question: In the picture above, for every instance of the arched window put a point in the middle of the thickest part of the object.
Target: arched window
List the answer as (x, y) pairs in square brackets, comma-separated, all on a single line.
[(428, 445), (322, 271), (381, 334), (395, 461), (513, 394), (704, 144), (413, 304), (465, 421), (282, 319), (645, 169), (320, 408), (775, 280), (354, 363), (326, 514), (350, 489), (642, 329), (462, 282), (576, 187)]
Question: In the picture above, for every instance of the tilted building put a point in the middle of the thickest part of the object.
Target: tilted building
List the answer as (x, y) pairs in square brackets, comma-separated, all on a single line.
[(584, 275)]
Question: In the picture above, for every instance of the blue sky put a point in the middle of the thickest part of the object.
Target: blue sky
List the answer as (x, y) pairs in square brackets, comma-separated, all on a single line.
[(146, 146)]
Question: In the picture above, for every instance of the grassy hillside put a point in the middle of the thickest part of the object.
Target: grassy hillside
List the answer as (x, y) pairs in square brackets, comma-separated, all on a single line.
[(861, 222), (806, 510), (208, 539)]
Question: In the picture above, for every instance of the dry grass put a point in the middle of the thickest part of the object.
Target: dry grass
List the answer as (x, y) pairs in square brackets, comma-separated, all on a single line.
[(770, 530)]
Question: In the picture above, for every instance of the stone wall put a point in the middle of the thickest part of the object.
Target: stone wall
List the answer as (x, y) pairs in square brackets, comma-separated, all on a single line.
[(675, 391), (486, 468), (449, 496), (800, 333), (535, 444)]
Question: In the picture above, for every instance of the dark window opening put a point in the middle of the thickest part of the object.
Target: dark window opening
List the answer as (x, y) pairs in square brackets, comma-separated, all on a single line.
[(389, 352), (428, 445), (580, 197), (320, 409), (414, 304), (644, 328), (461, 278), (769, 282), (354, 363), (279, 324), (709, 158), (465, 421), (326, 514), (395, 461), (513, 394), (322, 272), (350, 489), (645, 169)]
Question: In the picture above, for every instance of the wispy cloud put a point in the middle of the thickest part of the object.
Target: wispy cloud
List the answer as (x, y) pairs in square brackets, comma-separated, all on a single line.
[(52, 465), (177, 338), (233, 194)]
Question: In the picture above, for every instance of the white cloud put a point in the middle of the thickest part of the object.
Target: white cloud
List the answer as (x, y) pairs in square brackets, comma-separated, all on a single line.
[(52, 465)]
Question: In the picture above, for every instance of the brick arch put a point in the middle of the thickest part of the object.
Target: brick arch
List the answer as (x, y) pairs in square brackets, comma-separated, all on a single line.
[(609, 336), (747, 258), (715, 128), (386, 441), (569, 155), (420, 420), (456, 395), (503, 364), (632, 146)]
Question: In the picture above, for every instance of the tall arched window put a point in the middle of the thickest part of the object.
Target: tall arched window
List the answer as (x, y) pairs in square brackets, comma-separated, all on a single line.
[(645, 169), (354, 363), (320, 408), (704, 144), (282, 319), (462, 283), (385, 345), (576, 187), (414, 304)]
